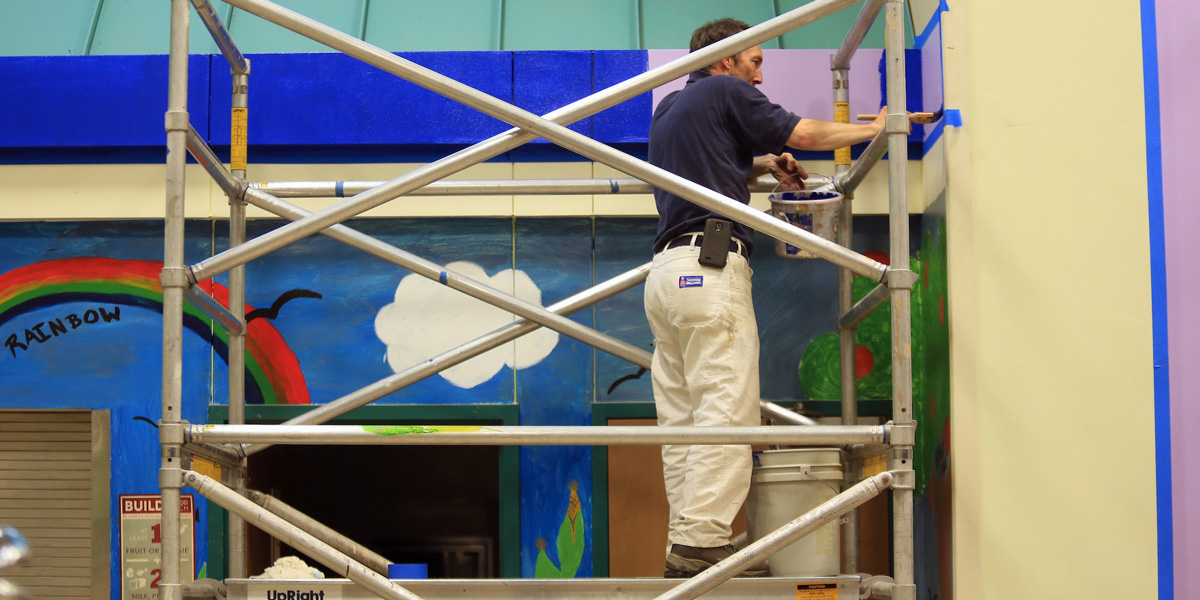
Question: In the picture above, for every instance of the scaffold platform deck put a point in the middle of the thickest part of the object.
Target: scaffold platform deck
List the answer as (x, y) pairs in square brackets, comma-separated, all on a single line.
[(790, 588)]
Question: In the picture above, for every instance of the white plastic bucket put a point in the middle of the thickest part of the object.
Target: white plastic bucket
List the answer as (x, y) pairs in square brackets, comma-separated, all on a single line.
[(811, 210), (784, 485)]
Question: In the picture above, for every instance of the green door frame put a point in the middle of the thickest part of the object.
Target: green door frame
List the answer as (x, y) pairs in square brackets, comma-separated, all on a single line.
[(443, 414)]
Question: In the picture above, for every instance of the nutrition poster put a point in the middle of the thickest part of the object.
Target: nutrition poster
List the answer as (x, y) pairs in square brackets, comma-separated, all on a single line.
[(141, 544)]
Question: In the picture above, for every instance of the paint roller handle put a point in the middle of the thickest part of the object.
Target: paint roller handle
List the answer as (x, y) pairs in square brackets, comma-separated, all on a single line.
[(915, 117)]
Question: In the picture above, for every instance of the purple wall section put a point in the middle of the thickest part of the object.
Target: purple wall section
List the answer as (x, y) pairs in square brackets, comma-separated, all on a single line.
[(1178, 47), (789, 77)]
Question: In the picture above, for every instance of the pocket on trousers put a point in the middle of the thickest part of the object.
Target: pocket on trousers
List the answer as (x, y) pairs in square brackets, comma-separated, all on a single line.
[(700, 297)]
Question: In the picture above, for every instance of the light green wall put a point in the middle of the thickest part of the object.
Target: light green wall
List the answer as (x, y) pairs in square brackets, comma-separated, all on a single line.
[(45, 27), (558, 25), (399, 26), (78, 27), (670, 23), (253, 34)]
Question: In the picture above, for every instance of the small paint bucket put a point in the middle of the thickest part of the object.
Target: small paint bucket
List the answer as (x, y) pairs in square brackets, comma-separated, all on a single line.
[(811, 210)]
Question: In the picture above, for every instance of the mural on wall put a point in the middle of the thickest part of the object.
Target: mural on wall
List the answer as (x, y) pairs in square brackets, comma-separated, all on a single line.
[(346, 320), (820, 369), (91, 303), (427, 318), (571, 541), (820, 374), (275, 374), (558, 255)]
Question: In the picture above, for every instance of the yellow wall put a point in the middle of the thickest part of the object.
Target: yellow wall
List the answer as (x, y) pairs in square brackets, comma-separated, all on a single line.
[(1052, 427), (63, 192)]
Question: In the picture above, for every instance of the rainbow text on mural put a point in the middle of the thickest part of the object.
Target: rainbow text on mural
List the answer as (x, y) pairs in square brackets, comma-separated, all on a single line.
[(48, 330)]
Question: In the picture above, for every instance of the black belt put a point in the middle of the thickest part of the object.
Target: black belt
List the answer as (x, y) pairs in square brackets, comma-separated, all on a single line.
[(686, 240)]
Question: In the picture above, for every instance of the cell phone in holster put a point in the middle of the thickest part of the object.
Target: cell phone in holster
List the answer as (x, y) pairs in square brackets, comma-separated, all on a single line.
[(714, 248)]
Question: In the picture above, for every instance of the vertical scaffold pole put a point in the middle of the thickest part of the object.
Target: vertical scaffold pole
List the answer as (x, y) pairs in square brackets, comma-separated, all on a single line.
[(170, 478), (845, 233), (238, 135), (839, 64), (900, 282)]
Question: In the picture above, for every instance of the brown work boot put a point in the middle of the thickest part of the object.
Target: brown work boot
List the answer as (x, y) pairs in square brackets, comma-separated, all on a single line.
[(686, 561)]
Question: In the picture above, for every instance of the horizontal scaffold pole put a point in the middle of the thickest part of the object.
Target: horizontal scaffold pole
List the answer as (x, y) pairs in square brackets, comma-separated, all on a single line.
[(549, 128), (297, 538), (505, 435), (494, 187)]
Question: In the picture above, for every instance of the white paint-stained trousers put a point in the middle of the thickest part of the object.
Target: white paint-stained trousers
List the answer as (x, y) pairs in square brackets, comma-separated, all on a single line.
[(704, 372)]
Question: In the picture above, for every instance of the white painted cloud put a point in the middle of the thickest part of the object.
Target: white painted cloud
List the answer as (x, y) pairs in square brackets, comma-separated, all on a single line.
[(428, 318)]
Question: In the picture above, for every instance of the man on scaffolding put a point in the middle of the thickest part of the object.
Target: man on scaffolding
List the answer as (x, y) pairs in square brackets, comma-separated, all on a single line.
[(705, 366)]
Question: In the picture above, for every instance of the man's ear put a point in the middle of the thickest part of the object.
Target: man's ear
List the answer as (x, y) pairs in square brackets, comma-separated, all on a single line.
[(724, 65)]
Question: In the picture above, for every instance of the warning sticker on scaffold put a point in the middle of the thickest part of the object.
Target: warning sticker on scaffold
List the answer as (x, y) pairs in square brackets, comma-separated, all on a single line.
[(827, 590)]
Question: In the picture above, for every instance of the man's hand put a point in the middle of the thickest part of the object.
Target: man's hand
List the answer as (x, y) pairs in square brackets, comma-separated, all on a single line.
[(788, 172)]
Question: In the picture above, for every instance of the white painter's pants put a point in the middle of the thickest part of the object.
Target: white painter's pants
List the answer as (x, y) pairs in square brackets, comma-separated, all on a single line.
[(704, 372)]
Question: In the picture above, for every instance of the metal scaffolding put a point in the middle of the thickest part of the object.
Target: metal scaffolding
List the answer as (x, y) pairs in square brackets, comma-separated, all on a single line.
[(230, 445)]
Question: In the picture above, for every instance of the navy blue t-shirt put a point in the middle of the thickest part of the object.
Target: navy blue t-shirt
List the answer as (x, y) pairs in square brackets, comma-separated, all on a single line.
[(709, 133)]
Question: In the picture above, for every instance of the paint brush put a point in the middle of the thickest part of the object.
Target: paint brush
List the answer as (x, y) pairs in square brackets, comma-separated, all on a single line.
[(917, 117)]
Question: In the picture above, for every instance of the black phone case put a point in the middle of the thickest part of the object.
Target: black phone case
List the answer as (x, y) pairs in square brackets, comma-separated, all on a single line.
[(714, 248)]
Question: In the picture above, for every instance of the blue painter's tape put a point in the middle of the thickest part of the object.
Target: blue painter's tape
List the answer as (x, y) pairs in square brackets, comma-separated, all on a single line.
[(688, 281), (953, 117), (443, 278), (934, 21), (613, 184), (339, 189), (1158, 295)]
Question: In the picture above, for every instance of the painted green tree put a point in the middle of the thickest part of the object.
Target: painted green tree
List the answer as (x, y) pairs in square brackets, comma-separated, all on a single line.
[(570, 543)]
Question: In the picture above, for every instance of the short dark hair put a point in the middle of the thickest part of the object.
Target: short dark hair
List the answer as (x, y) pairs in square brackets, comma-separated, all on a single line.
[(715, 31)]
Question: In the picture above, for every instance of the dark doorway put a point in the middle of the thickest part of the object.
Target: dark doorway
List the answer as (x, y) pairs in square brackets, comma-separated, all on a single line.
[(437, 505)]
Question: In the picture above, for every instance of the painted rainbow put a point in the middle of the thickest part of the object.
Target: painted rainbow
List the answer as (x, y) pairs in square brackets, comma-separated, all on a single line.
[(272, 365)]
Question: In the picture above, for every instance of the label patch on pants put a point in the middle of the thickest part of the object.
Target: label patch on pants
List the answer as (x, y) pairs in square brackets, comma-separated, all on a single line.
[(688, 281)]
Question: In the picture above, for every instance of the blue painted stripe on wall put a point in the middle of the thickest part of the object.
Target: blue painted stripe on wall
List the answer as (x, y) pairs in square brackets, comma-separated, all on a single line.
[(934, 134), (1158, 285), (544, 81), (332, 99), (93, 101), (310, 108), (628, 122)]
